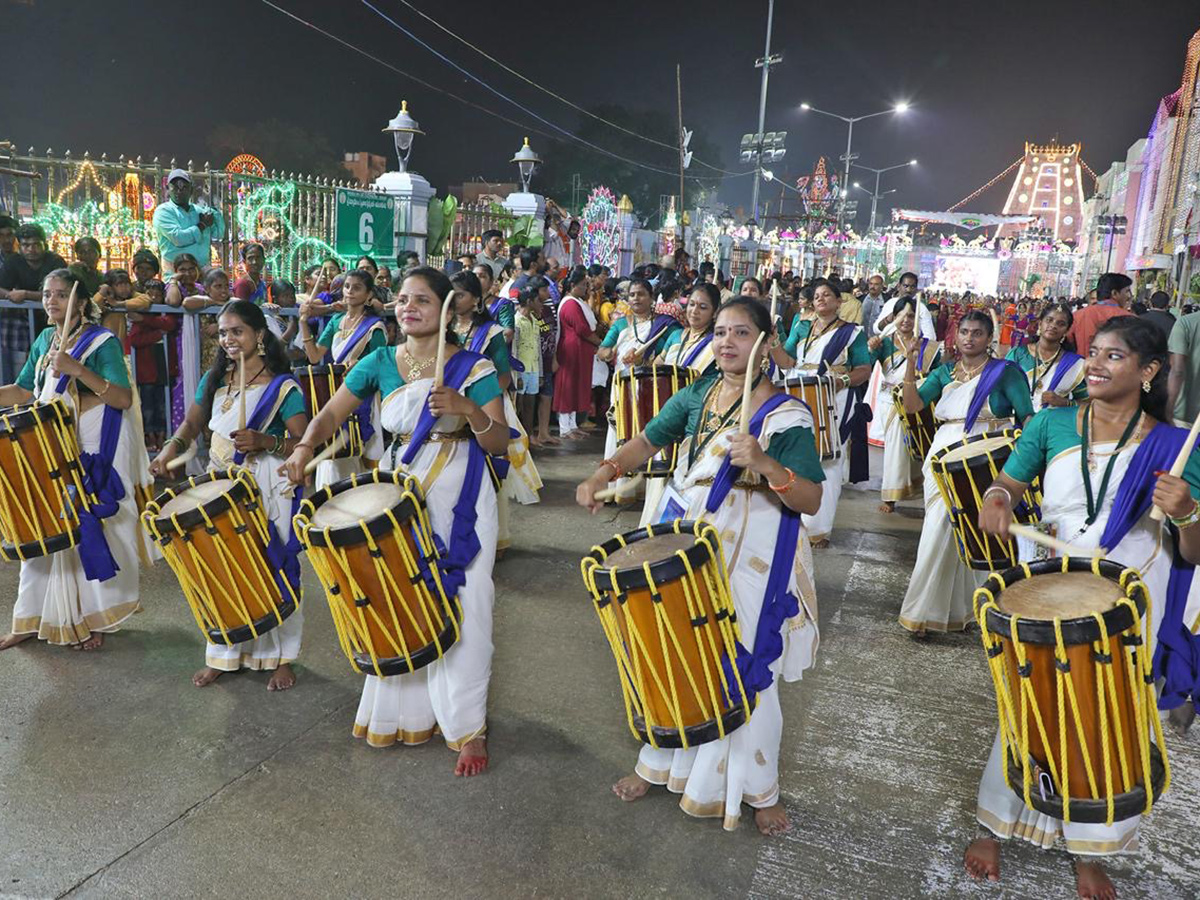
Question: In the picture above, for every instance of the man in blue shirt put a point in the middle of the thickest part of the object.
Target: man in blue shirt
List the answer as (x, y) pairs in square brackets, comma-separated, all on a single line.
[(181, 226)]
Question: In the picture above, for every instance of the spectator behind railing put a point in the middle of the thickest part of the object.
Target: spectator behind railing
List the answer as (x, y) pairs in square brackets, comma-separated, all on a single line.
[(183, 227), (156, 370), (8, 237), (87, 259), (252, 286), (21, 281), (116, 297), (145, 269)]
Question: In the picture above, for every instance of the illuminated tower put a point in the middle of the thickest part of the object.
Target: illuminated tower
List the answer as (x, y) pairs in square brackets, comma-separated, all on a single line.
[(1049, 187)]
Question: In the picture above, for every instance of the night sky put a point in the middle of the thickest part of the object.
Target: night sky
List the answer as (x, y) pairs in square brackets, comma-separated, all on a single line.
[(153, 76)]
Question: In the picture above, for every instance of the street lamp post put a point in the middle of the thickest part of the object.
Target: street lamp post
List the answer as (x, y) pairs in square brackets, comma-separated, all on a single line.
[(876, 197), (1111, 226), (849, 157)]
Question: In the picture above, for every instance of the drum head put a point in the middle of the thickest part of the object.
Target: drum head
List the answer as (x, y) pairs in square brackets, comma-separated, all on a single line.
[(358, 504), (193, 497), (977, 448), (1064, 595), (649, 550)]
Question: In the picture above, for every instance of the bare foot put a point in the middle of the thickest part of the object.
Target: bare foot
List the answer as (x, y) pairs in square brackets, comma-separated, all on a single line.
[(95, 642), (631, 787), (822, 544), (576, 435), (472, 758), (1092, 882), (1180, 718), (887, 506), (282, 679), (549, 441), (919, 635), (11, 640), (534, 441), (982, 859), (206, 676), (773, 820)]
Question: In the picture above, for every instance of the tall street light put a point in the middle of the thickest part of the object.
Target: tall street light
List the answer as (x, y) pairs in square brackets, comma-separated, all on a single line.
[(875, 197), (850, 120)]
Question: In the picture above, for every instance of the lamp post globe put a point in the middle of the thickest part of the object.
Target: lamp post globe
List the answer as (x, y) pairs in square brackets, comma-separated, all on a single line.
[(403, 128), (525, 159)]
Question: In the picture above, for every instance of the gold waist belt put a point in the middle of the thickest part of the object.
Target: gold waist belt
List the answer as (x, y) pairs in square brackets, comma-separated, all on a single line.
[(760, 486), (436, 436), (962, 421)]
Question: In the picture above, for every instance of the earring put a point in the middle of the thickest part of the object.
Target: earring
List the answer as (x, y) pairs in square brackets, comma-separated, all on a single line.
[(261, 350), (1146, 386)]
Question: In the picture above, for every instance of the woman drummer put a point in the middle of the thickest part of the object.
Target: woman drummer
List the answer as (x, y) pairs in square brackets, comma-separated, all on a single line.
[(1055, 374), (692, 347), (631, 340), (1102, 464), (440, 435), (775, 476), (476, 331), (974, 395), (79, 594), (347, 338), (828, 345), (901, 473), (275, 421)]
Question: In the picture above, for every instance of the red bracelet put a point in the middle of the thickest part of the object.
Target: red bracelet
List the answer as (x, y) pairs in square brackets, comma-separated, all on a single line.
[(612, 464), (786, 486)]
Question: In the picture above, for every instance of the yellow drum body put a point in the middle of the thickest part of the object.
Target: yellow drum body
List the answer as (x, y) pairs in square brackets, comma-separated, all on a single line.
[(918, 428), (319, 384), (820, 393), (640, 394), (213, 533), (41, 480), (369, 539), (662, 594), (963, 471), (1076, 699)]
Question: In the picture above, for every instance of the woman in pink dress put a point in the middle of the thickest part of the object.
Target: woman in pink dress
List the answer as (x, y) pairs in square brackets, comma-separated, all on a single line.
[(577, 344)]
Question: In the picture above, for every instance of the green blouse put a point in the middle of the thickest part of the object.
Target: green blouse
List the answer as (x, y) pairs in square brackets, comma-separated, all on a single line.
[(506, 315), (107, 361), (496, 349), (377, 339), (888, 348), (857, 353), (1052, 432), (610, 339), (378, 372), (292, 405), (793, 447), (1009, 398), (1023, 358)]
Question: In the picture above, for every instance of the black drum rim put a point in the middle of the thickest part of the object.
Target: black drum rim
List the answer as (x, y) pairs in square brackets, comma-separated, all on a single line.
[(960, 465), (1092, 812), (245, 633), (33, 549), (704, 733), (22, 415), (398, 665), (660, 370), (1081, 630), (607, 578), (407, 508), (239, 490)]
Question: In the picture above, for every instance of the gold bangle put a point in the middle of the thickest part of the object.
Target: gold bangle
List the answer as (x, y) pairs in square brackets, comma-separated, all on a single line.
[(107, 385)]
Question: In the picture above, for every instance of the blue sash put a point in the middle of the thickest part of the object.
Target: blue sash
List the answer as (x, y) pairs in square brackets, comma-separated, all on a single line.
[(925, 342), (264, 407), (1177, 656), (100, 479), (993, 369), (855, 410), (362, 414), (462, 545), (1064, 366), (367, 323), (698, 349), (779, 604), (495, 305)]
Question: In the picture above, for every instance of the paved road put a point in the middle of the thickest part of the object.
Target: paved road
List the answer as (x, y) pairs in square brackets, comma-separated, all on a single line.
[(119, 779)]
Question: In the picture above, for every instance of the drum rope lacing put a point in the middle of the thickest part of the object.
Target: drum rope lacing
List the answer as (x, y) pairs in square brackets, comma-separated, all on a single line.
[(200, 582), (1014, 726), (13, 512), (354, 441), (635, 657)]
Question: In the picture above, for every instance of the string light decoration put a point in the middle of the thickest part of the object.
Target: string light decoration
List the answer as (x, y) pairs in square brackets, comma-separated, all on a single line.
[(85, 171), (1048, 187), (971, 196), (265, 214), (601, 227), (118, 231), (246, 164)]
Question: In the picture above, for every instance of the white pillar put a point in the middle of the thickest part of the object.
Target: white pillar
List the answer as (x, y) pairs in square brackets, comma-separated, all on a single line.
[(412, 193)]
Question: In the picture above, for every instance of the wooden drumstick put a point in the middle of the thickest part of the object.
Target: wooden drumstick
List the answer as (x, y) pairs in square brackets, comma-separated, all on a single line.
[(1180, 462), (1032, 534), (66, 328), (242, 393), (183, 459), (748, 386), (440, 366), (774, 300), (334, 446), (615, 493)]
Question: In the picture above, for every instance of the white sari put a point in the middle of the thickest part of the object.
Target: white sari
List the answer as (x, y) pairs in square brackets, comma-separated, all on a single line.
[(716, 778), (627, 340), (901, 473), (1065, 387), (941, 587), (281, 644), (55, 599), (1148, 548), (331, 470), (450, 694), (809, 363)]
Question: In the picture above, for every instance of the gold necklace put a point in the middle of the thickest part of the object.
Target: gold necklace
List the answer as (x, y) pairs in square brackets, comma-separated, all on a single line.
[(416, 370), (231, 395), (348, 326), (968, 372)]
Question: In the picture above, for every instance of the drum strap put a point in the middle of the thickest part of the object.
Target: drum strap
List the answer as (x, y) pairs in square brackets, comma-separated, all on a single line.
[(1095, 502)]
